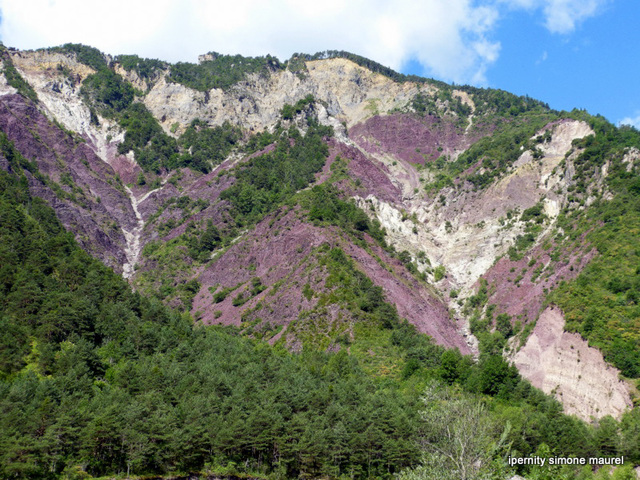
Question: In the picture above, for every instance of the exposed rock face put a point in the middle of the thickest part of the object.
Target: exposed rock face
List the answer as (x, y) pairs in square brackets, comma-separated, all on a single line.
[(520, 287), (5, 88), (385, 148), (279, 252), (410, 138), (133, 236), (351, 93), (465, 230), (94, 209), (521, 295), (563, 364), (354, 93), (373, 178), (60, 99)]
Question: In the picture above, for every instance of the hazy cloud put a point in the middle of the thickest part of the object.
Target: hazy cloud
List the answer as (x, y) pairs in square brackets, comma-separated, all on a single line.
[(543, 58), (561, 16), (633, 121), (451, 39)]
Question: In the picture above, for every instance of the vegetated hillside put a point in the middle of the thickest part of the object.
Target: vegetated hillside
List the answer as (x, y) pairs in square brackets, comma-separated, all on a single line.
[(320, 203), (98, 380)]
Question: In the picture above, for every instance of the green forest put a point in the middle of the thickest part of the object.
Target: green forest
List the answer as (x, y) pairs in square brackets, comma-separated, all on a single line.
[(98, 380)]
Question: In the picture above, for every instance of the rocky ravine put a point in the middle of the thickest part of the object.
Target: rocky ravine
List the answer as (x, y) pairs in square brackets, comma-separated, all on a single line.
[(133, 237), (463, 230), (466, 234)]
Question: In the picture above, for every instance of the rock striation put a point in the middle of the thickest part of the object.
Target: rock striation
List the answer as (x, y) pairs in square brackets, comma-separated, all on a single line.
[(564, 365), (386, 150)]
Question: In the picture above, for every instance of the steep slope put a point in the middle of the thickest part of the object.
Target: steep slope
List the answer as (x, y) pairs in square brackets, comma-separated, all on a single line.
[(192, 190), (564, 365), (82, 189), (350, 92), (99, 381), (468, 229), (45, 71)]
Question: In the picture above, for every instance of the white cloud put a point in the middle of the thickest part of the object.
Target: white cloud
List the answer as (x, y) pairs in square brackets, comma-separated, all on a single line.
[(633, 121), (561, 16), (543, 58), (451, 39)]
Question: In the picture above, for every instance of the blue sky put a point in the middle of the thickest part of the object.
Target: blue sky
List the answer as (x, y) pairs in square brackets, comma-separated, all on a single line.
[(596, 66), (568, 53)]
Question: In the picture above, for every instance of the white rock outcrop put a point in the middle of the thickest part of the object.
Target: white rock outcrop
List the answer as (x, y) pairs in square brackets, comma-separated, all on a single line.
[(351, 93), (467, 232)]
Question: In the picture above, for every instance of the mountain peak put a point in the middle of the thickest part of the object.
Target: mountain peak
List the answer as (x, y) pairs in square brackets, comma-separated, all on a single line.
[(245, 190)]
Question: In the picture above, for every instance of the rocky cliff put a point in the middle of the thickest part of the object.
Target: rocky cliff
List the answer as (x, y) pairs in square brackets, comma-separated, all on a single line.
[(404, 151), (564, 365)]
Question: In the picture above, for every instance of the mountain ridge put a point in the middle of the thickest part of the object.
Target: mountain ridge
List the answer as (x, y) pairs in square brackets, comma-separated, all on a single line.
[(406, 152)]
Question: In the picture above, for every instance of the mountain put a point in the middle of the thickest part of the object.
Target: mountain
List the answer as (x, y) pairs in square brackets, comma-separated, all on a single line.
[(329, 204)]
